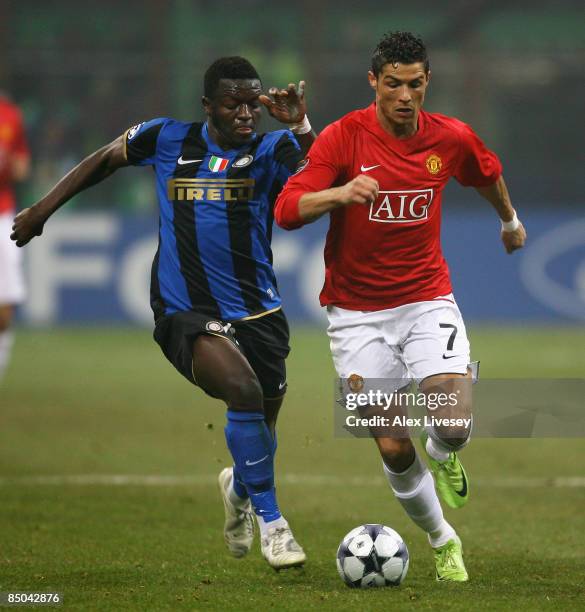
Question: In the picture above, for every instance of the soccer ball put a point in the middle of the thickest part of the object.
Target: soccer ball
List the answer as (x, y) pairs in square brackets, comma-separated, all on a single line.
[(372, 556)]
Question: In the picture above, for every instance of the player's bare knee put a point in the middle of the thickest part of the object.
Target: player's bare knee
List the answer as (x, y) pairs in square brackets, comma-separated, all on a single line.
[(455, 438), (449, 407), (397, 453), (244, 393)]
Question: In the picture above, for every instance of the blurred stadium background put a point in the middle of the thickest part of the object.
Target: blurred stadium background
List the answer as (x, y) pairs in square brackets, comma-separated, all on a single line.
[(514, 70), (89, 394)]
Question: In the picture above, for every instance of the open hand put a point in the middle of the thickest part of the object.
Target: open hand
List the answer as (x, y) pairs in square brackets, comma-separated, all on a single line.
[(286, 105)]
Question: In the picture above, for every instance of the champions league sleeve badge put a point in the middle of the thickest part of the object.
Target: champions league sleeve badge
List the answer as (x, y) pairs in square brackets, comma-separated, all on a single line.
[(134, 130), (301, 166)]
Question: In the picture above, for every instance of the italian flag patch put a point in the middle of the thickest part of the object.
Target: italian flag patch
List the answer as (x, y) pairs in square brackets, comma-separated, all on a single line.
[(218, 164)]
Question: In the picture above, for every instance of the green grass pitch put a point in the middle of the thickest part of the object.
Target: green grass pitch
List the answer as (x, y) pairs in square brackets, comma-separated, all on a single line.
[(104, 402)]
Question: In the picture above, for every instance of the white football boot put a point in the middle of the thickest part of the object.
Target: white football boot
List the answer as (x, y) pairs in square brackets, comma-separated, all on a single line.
[(238, 529), (281, 550)]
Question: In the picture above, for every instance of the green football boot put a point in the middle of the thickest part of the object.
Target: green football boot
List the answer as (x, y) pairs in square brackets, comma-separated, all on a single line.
[(450, 478), (449, 562)]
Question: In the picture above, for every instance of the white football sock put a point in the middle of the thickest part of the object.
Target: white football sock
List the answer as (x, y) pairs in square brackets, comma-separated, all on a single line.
[(437, 450), (6, 342), (265, 526), (415, 490)]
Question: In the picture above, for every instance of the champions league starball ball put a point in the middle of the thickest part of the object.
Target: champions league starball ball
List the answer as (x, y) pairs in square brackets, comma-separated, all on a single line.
[(372, 556)]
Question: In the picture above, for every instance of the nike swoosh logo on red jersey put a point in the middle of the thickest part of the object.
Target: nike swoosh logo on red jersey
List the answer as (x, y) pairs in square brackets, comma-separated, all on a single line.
[(366, 168)]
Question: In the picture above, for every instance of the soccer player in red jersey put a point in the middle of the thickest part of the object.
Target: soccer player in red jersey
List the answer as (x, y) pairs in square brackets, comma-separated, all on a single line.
[(380, 172), (14, 166)]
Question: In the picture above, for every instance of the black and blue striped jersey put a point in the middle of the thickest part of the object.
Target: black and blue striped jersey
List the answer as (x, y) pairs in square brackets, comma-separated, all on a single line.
[(216, 214)]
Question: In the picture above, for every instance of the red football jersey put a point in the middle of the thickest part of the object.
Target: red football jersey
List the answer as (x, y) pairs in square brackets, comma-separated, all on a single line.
[(388, 253), (12, 144)]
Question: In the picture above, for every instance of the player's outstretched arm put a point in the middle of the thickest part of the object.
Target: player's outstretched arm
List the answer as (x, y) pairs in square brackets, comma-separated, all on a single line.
[(363, 189), (93, 169), (513, 233), (289, 106)]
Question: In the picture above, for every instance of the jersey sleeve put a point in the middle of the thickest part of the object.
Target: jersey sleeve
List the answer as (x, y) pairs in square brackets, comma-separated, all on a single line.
[(321, 169), (141, 141), (287, 155), (477, 166), (286, 158)]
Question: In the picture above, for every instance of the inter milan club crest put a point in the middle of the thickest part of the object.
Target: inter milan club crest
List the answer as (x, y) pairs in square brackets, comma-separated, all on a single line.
[(244, 161), (434, 163), (214, 326), (218, 164)]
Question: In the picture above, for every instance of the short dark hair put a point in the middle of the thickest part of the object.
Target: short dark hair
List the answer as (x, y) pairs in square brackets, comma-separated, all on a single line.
[(399, 47), (234, 67)]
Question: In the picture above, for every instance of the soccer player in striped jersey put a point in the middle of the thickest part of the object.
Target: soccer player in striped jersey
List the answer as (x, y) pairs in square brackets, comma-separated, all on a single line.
[(218, 316), (380, 173)]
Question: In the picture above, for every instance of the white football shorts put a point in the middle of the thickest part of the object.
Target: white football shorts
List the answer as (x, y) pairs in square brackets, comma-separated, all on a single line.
[(413, 341), (12, 289)]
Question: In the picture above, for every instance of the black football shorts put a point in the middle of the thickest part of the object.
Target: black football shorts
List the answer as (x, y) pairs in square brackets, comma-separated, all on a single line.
[(262, 341)]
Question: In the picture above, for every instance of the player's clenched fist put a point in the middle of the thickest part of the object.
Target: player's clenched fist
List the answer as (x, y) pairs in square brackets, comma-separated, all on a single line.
[(27, 224), (362, 189), (514, 240)]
